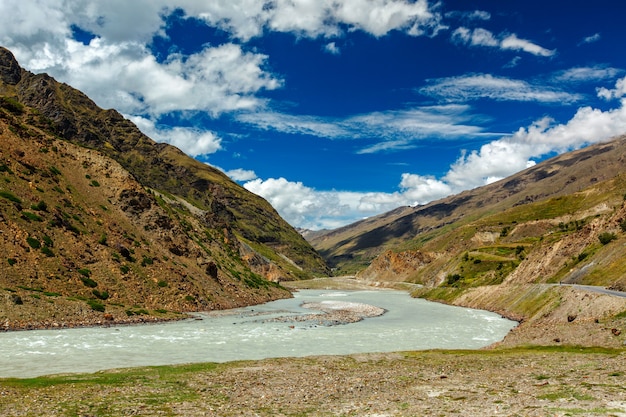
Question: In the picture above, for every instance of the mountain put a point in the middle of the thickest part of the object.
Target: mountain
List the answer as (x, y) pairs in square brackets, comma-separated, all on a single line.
[(539, 247), (100, 223), (353, 247)]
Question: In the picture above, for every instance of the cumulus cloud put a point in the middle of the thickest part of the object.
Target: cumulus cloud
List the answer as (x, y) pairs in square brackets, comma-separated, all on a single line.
[(485, 38), (241, 174), (475, 86), (194, 142), (617, 92)]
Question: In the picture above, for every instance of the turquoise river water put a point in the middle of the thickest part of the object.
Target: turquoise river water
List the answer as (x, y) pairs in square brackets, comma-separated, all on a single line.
[(253, 333)]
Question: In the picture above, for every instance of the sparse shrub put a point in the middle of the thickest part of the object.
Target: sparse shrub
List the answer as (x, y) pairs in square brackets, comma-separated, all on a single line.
[(582, 256), (47, 241), (453, 279), (41, 206), (606, 237), (27, 215), (124, 269), (95, 183), (103, 239), (9, 196), (12, 105), (54, 170), (96, 305), (146, 261), (84, 272), (12, 261), (33, 242), (47, 251), (162, 284), (622, 225), (88, 282), (190, 298), (103, 295)]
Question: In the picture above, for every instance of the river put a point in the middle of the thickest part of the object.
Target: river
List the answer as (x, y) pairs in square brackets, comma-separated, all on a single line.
[(256, 332)]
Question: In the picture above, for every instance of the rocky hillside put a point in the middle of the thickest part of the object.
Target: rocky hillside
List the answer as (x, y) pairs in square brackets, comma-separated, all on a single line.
[(100, 223), (353, 247), (522, 247)]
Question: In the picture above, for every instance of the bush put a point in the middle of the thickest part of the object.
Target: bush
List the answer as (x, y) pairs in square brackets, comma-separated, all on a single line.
[(41, 206), (452, 279), (33, 243), (12, 105), (47, 251), (10, 197), (47, 241), (12, 261), (606, 237), (89, 282), (103, 295), (96, 305), (85, 272), (27, 215)]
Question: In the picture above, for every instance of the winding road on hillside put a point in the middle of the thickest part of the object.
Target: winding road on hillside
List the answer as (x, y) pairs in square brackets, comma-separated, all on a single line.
[(594, 288)]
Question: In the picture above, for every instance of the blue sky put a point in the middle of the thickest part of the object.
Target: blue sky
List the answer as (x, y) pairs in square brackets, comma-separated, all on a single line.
[(336, 110)]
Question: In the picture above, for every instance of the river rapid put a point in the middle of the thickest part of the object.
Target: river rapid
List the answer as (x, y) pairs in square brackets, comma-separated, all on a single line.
[(282, 328)]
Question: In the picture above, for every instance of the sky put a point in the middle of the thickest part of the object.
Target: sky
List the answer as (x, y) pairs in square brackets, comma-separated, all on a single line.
[(337, 110)]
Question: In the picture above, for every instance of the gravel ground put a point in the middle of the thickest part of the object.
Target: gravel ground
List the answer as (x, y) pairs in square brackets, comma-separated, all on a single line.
[(520, 382)]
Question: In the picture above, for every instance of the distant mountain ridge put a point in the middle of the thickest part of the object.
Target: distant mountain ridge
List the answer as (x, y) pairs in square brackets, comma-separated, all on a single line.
[(96, 218), (537, 247), (352, 247)]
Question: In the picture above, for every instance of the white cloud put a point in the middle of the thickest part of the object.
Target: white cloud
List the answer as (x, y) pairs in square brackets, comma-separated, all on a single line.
[(469, 16), (240, 174), (587, 74), (332, 48), (517, 44), (393, 130), (484, 37), (591, 39), (472, 87), (306, 207), (617, 92), (194, 142), (476, 37)]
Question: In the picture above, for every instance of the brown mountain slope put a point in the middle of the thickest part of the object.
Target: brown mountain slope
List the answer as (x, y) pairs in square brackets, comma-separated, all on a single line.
[(100, 223), (517, 246), (352, 247)]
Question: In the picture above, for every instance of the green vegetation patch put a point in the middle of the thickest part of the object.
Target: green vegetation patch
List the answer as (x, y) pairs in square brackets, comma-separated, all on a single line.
[(10, 196)]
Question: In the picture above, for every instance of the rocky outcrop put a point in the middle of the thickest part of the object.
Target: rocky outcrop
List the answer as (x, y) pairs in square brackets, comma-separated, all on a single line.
[(10, 71), (396, 266)]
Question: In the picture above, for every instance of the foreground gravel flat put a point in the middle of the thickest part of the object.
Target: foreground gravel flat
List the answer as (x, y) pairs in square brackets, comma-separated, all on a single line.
[(506, 382)]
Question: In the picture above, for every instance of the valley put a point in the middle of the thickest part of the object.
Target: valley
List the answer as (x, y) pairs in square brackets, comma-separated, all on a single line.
[(102, 226)]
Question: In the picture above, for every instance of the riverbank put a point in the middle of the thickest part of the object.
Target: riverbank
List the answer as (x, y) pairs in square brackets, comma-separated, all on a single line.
[(553, 380), (529, 382)]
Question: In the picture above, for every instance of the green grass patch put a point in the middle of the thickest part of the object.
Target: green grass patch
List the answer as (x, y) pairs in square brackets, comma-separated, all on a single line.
[(96, 305), (33, 242), (10, 196)]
